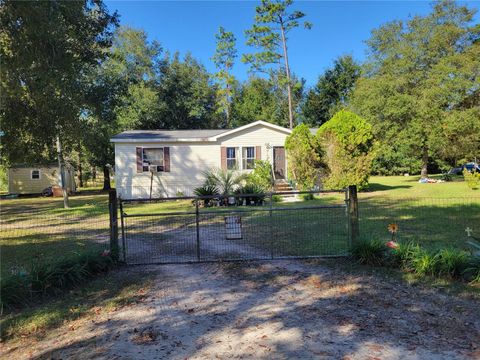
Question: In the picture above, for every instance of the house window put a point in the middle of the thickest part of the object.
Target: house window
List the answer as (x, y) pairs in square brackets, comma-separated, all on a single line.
[(152, 159), (248, 156), (35, 175), (231, 158)]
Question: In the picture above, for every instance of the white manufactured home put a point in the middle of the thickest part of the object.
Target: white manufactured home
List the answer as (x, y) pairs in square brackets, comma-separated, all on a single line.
[(171, 162)]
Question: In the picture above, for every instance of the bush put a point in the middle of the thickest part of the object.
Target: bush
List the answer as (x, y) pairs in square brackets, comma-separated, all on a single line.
[(304, 154), (472, 272), (226, 181), (307, 197), (277, 198), (403, 254), (206, 190), (256, 190), (261, 175), (424, 263), (369, 252), (452, 263), (472, 179), (348, 140), (52, 278)]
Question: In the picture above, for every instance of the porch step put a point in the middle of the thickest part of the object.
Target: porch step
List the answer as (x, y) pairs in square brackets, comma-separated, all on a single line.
[(282, 187)]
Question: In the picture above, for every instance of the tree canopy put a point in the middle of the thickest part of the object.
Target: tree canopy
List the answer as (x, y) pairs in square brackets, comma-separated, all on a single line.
[(332, 91), (47, 48), (421, 89)]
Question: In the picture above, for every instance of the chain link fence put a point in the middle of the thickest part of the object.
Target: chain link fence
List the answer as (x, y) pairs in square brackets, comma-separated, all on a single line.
[(432, 222), (28, 236), (240, 227)]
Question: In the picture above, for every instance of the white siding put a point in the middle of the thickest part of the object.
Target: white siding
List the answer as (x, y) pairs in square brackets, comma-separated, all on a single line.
[(257, 136), (188, 161)]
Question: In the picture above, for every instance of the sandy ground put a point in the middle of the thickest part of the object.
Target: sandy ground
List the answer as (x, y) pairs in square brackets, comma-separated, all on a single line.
[(264, 310)]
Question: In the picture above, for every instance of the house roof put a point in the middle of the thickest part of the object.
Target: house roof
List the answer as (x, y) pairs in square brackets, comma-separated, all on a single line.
[(167, 135), (187, 135)]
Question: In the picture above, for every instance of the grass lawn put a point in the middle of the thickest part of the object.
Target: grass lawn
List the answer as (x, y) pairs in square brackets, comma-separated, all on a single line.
[(435, 215), (104, 294)]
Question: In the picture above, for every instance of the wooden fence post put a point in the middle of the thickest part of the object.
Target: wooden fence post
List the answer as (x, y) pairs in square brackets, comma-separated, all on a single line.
[(353, 213), (113, 211)]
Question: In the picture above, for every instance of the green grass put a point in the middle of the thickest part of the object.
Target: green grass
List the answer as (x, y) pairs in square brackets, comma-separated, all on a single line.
[(434, 215), (104, 294)]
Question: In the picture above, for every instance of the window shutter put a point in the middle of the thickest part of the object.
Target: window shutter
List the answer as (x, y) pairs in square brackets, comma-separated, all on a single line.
[(223, 157), (166, 159), (139, 160), (258, 153)]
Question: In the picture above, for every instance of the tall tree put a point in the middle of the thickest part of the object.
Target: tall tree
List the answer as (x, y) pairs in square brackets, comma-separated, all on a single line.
[(273, 21), (224, 59), (187, 96), (46, 48), (123, 95), (332, 91), (420, 76), (263, 99)]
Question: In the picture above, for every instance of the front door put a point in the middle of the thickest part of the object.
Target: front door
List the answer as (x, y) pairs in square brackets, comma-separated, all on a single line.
[(279, 162)]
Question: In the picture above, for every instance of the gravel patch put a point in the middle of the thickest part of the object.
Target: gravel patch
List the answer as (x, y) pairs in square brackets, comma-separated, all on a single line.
[(277, 309)]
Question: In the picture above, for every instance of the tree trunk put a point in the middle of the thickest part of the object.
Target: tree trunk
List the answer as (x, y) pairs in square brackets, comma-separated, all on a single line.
[(80, 172), (106, 178), (424, 172), (61, 168), (227, 105), (287, 72)]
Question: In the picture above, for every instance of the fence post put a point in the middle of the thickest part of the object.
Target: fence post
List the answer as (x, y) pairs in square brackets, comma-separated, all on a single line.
[(113, 211), (353, 213), (271, 226), (197, 223)]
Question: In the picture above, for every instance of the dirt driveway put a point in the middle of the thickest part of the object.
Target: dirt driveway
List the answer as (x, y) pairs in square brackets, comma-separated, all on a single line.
[(280, 309)]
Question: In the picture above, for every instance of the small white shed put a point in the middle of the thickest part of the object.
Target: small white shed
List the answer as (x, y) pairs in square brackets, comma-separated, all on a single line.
[(33, 179)]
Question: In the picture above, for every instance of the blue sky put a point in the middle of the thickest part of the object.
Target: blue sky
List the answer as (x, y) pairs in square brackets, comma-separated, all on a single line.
[(339, 27)]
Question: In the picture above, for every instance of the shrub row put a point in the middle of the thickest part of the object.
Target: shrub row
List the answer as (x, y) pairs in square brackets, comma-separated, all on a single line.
[(46, 279), (450, 263)]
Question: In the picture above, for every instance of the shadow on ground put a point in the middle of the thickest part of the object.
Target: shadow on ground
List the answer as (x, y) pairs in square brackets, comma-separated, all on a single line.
[(280, 309)]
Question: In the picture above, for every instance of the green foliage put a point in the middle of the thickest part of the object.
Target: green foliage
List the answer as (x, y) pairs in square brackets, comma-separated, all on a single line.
[(277, 198), (273, 21), (332, 91), (369, 252), (452, 262), (3, 179), (304, 154), (257, 192), (472, 179), (206, 190), (224, 58), (265, 99), (449, 263), (44, 279), (472, 272), (424, 262), (226, 181), (308, 197), (349, 142), (420, 89), (47, 51), (187, 96), (261, 176)]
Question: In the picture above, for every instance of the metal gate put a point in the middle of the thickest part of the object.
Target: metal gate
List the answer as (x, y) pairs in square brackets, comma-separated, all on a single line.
[(236, 227)]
